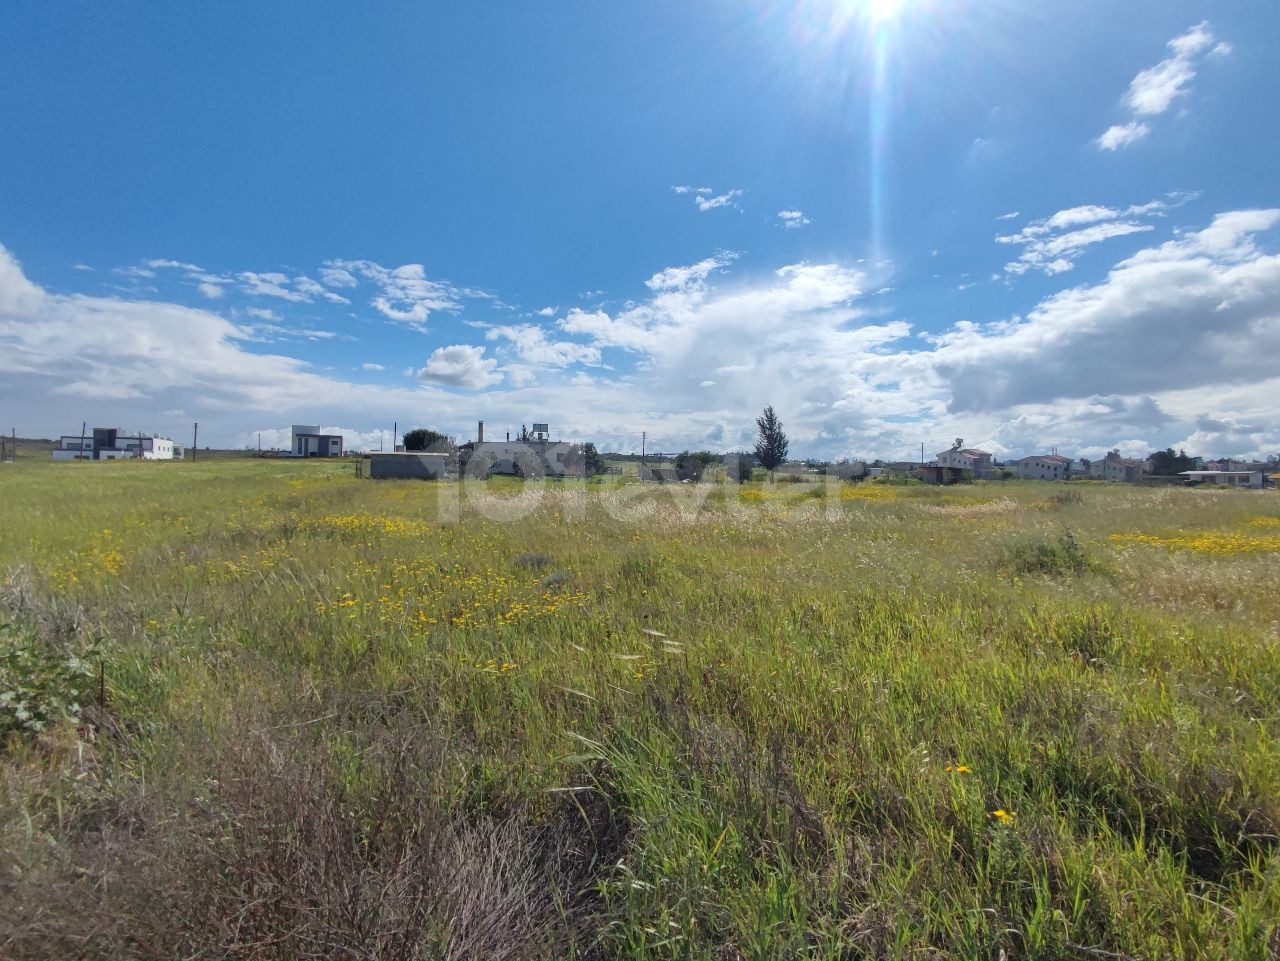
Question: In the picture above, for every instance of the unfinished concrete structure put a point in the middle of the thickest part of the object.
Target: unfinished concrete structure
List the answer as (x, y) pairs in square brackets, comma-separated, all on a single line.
[(408, 466)]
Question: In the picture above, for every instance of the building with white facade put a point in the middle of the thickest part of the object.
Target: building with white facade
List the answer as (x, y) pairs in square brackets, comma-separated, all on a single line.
[(534, 456), (965, 458), (111, 443), (308, 441), (1044, 467)]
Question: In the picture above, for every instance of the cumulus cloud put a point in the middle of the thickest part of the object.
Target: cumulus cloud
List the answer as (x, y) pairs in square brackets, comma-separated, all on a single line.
[(372, 367), (532, 345), (1172, 346), (1191, 312), (460, 365), (1154, 90)]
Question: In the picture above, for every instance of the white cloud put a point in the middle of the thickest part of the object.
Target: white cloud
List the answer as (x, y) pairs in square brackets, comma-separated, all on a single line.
[(678, 278), (408, 295), (1053, 244), (1194, 312), (1172, 346), (305, 285), (337, 277), (546, 312), (134, 358), (682, 189), (372, 367), (460, 365), (262, 313), (161, 264), (706, 202), (1154, 90), (1122, 135), (1011, 215), (210, 290), (532, 346), (271, 284), (793, 219)]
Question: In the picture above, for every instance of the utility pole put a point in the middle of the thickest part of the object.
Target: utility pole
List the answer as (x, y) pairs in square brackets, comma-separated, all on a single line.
[(643, 469), (922, 452), (195, 435), (395, 433), (83, 426)]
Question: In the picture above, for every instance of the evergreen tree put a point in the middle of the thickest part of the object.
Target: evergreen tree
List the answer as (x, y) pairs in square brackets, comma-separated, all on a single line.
[(423, 439), (771, 442)]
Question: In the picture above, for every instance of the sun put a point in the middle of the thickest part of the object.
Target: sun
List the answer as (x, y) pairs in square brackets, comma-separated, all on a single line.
[(878, 11)]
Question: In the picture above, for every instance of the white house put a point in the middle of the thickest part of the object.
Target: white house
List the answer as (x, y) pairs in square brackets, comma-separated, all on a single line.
[(309, 442), (528, 458), (110, 443), (1044, 467), (535, 456), (965, 458), (1255, 479)]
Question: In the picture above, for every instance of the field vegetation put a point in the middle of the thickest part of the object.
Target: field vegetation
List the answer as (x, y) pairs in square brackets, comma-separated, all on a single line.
[(259, 709)]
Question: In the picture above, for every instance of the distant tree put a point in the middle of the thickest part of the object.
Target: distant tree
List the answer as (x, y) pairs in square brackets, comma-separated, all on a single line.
[(583, 460), (771, 443), (691, 465), (738, 466), (423, 439), (1165, 463)]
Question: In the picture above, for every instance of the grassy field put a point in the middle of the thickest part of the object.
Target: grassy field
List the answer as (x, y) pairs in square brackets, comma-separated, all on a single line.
[(257, 709)]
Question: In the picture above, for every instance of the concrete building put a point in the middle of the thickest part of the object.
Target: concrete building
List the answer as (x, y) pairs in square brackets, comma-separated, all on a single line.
[(941, 474), (1254, 479), (111, 443), (309, 442), (965, 458), (848, 470), (1113, 467), (1044, 467)]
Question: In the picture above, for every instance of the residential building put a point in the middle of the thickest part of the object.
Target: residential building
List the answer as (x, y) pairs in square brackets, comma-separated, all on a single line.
[(536, 455), (1044, 467), (1113, 467), (965, 458), (308, 441), (112, 443), (1255, 479)]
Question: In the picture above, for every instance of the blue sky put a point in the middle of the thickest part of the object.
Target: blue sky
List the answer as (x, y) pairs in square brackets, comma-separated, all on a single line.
[(1027, 224)]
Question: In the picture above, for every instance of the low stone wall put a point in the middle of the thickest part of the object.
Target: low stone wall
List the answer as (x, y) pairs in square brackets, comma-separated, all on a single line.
[(409, 466)]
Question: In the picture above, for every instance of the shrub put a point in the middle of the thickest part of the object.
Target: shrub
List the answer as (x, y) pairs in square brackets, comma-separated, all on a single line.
[(1057, 557), (44, 679), (534, 560)]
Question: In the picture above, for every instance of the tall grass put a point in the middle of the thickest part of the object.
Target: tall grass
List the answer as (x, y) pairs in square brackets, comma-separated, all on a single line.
[(345, 718)]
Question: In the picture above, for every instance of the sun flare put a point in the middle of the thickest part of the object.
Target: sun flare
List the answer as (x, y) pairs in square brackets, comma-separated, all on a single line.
[(878, 11)]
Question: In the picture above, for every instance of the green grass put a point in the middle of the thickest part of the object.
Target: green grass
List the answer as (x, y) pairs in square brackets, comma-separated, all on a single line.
[(700, 721)]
